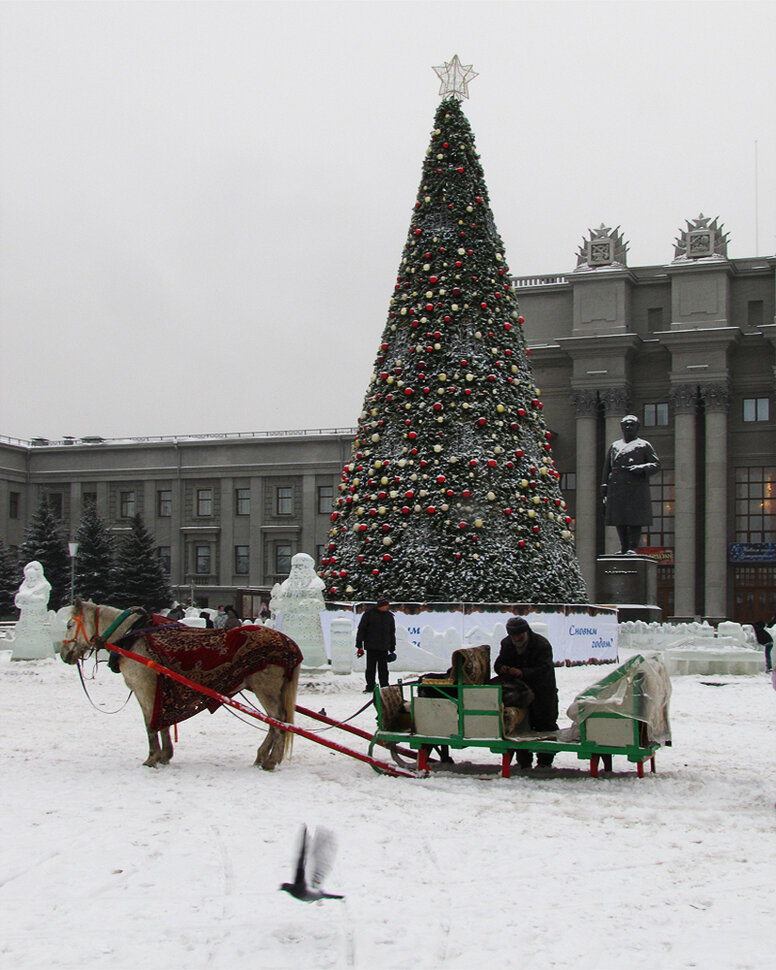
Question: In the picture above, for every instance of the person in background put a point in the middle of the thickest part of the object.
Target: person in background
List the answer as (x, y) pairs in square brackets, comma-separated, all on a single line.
[(765, 640), (377, 635), (232, 619), (525, 659), (219, 621), (176, 613), (206, 617)]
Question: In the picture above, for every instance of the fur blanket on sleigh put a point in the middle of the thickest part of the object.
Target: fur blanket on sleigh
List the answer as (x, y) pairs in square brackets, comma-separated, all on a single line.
[(218, 659)]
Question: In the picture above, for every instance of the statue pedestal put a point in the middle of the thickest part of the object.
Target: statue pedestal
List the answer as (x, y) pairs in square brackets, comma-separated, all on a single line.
[(629, 583)]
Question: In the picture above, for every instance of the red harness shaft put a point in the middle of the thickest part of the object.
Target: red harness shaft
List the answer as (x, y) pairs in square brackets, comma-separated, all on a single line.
[(238, 705)]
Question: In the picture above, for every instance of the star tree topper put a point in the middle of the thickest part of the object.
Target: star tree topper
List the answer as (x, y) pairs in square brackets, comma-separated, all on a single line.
[(455, 78)]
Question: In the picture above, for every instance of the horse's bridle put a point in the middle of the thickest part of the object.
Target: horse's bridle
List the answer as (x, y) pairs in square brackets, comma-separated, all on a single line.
[(97, 641), (80, 628)]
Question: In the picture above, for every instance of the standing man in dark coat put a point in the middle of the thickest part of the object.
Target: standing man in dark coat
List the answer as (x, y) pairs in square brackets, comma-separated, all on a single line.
[(627, 502), (526, 659), (377, 635)]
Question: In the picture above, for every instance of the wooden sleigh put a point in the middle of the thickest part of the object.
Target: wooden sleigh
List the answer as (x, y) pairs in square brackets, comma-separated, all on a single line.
[(624, 714)]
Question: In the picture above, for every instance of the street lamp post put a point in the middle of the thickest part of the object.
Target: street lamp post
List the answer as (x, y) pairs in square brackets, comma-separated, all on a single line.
[(72, 548)]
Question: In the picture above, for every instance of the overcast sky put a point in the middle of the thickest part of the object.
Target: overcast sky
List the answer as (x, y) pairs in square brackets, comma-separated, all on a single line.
[(203, 205)]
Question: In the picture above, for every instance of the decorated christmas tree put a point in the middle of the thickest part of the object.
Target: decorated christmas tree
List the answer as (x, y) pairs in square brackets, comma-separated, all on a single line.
[(451, 492)]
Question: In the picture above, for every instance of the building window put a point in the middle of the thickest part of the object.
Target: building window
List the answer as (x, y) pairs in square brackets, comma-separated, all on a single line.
[(13, 505), (655, 415), (568, 482), (163, 556), (284, 501), (54, 500), (164, 503), (325, 499), (757, 408), (203, 560), (756, 504), (320, 552), (754, 313), (242, 501), (126, 504), (654, 319), (241, 560), (662, 489), (88, 498), (204, 502), (283, 558)]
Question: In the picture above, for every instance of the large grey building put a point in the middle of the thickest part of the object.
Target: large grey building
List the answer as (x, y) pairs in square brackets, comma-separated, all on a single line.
[(227, 513), (688, 346)]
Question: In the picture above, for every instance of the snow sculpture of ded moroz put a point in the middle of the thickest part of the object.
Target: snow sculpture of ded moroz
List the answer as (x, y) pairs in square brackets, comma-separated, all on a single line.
[(32, 637), (297, 604)]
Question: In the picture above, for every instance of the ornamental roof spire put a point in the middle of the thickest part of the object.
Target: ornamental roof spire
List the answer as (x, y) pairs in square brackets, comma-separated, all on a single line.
[(455, 78)]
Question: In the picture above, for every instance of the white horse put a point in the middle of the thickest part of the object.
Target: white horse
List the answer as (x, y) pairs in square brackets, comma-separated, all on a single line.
[(87, 629)]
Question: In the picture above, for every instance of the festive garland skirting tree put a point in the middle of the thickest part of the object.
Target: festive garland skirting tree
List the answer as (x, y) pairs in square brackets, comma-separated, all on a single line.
[(451, 492)]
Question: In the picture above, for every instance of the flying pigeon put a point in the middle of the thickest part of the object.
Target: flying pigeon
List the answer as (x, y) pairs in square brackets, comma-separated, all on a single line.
[(322, 854)]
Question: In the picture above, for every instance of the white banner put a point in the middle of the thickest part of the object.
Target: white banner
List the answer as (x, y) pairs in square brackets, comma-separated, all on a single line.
[(578, 634)]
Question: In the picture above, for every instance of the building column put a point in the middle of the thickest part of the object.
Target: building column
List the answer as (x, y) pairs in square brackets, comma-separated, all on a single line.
[(616, 402), (586, 407), (226, 539), (716, 399), (684, 406)]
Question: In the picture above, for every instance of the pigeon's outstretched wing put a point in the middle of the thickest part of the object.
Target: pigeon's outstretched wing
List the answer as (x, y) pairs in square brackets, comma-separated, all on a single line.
[(299, 880), (324, 848)]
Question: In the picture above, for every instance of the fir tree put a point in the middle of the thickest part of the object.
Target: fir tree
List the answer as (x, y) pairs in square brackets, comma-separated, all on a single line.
[(44, 541), (94, 565), (140, 580), (10, 579), (451, 492)]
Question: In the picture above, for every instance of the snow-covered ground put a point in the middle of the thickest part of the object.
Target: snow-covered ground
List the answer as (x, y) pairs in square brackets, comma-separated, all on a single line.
[(105, 863)]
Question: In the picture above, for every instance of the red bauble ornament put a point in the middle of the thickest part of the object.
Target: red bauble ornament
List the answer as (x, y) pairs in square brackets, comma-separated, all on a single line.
[(431, 510)]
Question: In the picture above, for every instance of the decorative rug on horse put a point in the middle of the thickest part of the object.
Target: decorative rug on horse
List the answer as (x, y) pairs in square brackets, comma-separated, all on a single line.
[(218, 659), (474, 667)]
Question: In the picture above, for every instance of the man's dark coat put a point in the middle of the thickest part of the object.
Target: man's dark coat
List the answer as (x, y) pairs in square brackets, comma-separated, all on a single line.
[(539, 673), (376, 631)]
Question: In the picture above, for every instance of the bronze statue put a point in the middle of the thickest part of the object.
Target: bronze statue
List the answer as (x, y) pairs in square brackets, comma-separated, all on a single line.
[(627, 502)]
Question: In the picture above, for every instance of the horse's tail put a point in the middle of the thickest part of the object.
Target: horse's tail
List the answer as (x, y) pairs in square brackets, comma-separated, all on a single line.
[(288, 700)]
